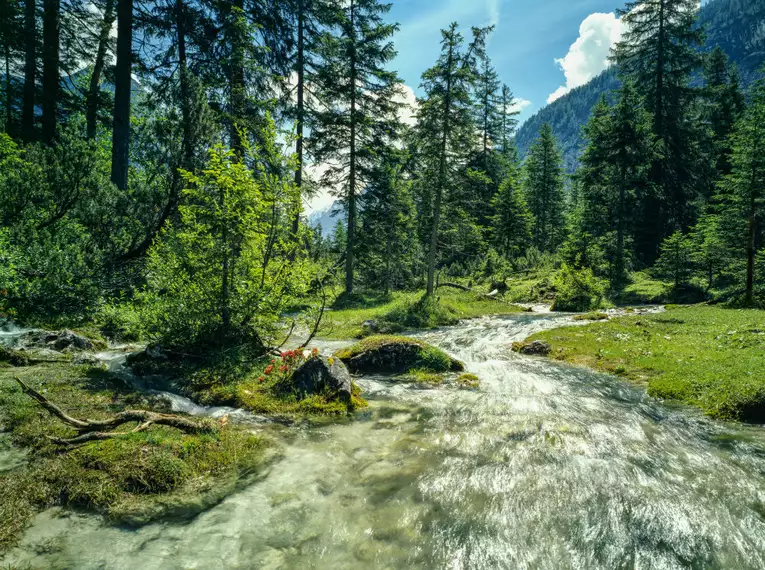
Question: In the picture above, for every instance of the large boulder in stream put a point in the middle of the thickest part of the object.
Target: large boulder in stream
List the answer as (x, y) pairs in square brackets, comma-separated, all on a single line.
[(321, 375), (60, 341), (396, 355)]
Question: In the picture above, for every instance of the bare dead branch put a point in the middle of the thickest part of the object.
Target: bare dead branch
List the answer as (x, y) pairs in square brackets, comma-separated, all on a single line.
[(93, 430)]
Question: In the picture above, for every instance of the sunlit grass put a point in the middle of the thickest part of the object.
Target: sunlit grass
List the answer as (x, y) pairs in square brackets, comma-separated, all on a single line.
[(709, 357)]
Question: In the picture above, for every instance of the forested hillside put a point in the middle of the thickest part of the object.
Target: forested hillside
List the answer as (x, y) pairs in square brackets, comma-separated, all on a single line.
[(736, 26)]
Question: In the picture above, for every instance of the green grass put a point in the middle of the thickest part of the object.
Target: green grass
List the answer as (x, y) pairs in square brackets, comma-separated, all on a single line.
[(407, 310), (468, 381), (132, 479), (709, 357)]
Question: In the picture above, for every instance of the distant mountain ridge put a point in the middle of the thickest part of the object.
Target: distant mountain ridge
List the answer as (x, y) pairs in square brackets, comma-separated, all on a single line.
[(737, 26)]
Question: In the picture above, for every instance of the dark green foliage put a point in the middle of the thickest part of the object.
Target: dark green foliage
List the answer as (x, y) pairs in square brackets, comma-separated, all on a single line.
[(389, 252), (676, 259), (359, 116), (544, 189)]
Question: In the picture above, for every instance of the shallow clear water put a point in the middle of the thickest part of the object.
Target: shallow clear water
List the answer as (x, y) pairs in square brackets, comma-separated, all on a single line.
[(543, 467)]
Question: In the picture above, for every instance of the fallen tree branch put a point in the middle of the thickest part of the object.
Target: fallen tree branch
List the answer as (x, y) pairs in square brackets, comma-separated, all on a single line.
[(93, 430)]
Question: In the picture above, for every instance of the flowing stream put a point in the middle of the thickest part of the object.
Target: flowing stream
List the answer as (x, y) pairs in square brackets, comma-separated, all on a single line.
[(544, 466)]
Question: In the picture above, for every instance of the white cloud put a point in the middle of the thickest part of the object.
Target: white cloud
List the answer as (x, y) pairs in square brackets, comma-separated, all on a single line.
[(520, 105), (588, 55), (406, 113)]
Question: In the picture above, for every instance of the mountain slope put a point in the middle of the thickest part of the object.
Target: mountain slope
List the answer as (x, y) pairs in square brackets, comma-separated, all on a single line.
[(737, 26)]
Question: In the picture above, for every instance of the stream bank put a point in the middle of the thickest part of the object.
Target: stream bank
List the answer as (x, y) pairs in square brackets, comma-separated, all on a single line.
[(543, 466)]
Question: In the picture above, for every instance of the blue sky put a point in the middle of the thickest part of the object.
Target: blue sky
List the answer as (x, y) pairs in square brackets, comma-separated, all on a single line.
[(529, 36)]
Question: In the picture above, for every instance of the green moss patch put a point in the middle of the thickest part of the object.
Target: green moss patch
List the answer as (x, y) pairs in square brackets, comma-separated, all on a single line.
[(468, 381), (592, 317), (709, 357), (134, 478), (397, 355)]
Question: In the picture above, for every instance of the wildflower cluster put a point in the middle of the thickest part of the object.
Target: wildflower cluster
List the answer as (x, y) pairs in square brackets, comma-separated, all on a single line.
[(288, 361)]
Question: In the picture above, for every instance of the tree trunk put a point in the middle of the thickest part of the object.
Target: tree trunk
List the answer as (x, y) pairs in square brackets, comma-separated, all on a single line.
[(122, 87), (236, 78), (50, 79), (8, 93), (351, 237), (433, 252), (620, 228), (30, 71), (751, 253), (98, 66), (300, 121), (180, 26)]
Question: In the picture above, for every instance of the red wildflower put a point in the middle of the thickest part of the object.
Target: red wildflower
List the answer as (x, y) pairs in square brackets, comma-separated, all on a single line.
[(269, 369)]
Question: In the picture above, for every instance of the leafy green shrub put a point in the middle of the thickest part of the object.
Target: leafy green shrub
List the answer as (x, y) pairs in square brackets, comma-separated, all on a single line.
[(224, 273), (578, 290)]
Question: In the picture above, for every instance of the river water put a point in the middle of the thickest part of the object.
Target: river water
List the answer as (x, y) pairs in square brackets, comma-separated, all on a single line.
[(544, 466)]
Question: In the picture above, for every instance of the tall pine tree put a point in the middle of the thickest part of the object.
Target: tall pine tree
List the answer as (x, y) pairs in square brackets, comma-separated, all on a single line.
[(658, 51), (446, 127), (544, 188), (361, 112)]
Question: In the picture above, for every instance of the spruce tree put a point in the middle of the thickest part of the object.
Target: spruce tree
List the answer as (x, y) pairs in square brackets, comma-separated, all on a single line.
[(544, 188), (658, 51), (724, 104), (512, 221), (361, 111), (446, 127), (388, 250), (745, 185)]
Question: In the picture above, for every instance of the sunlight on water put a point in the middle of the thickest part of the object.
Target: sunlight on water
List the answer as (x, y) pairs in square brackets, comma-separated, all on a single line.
[(543, 467)]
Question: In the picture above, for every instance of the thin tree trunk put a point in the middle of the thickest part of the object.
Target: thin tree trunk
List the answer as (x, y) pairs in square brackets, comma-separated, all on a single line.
[(433, 252), (95, 79), (351, 237), (236, 79), (8, 93), (122, 86), (300, 120), (30, 71), (751, 253), (620, 229), (188, 146), (50, 79)]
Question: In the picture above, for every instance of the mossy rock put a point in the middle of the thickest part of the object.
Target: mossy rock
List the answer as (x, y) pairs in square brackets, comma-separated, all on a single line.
[(470, 381), (592, 317), (396, 355), (13, 357)]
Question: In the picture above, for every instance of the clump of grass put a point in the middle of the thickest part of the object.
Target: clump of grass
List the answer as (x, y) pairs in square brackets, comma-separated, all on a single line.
[(424, 377), (591, 317), (709, 357), (134, 478), (468, 381), (397, 355)]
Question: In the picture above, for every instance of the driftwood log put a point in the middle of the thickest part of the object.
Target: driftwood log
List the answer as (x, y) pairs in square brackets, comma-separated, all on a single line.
[(97, 430)]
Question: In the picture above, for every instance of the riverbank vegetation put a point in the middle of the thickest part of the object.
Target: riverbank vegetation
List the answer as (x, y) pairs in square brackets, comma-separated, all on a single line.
[(708, 357), (131, 479)]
